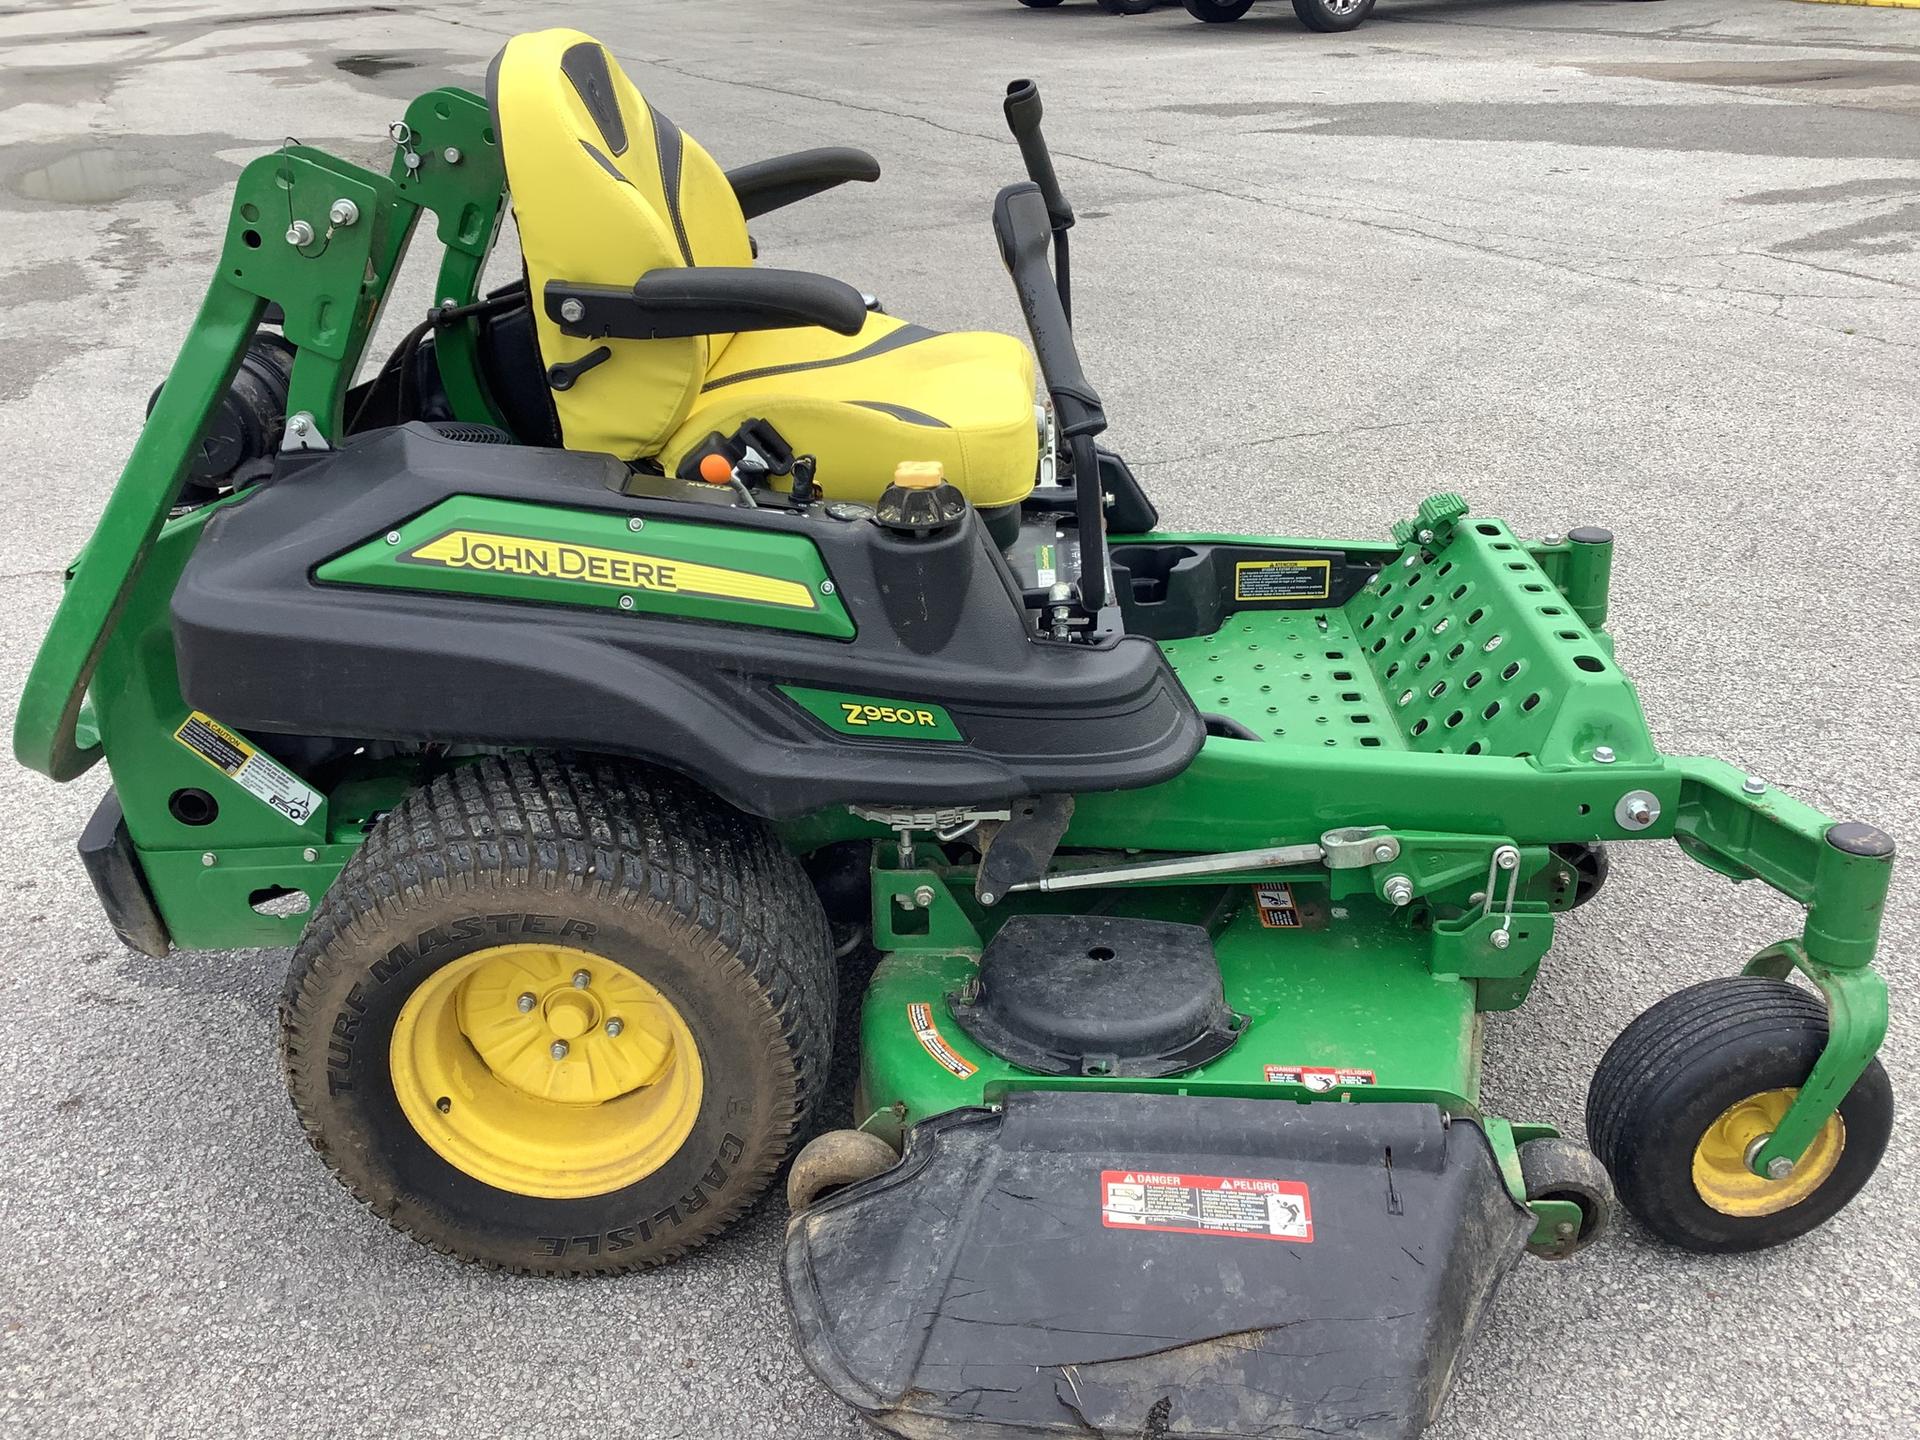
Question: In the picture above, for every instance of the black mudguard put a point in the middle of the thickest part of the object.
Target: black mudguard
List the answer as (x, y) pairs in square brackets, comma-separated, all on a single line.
[(985, 1288), (265, 647)]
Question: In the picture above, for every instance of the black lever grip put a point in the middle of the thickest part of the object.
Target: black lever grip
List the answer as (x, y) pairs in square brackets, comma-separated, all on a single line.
[(1023, 118), (1020, 225)]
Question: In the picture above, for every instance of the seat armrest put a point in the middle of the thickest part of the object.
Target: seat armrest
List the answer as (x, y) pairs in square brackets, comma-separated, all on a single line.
[(772, 184), (704, 300)]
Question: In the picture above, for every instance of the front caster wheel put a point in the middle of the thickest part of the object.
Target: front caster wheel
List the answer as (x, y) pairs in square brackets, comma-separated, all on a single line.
[(561, 1017), (1690, 1090), (1332, 16), (1558, 1169)]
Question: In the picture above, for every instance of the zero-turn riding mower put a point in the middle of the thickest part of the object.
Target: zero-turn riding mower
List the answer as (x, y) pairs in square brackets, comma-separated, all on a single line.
[(643, 635)]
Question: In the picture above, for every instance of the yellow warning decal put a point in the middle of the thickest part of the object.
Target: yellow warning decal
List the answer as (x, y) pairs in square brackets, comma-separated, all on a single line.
[(617, 569), (249, 767), (1282, 579), (920, 1016)]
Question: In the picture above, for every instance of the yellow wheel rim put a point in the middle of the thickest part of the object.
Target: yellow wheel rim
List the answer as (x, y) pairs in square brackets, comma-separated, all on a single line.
[(1725, 1180), (546, 1070)]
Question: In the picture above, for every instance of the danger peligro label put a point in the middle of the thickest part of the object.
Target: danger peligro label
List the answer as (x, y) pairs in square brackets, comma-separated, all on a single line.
[(1256, 1208)]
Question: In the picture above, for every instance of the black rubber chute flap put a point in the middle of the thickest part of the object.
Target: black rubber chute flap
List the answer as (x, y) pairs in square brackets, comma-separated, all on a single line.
[(985, 1288), (784, 180)]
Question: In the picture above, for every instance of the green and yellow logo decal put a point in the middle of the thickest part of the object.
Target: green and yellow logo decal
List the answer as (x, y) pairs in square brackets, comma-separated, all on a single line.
[(526, 555), (875, 717)]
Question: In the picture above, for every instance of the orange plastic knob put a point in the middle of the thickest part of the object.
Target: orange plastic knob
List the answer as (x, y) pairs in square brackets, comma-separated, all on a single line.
[(716, 470)]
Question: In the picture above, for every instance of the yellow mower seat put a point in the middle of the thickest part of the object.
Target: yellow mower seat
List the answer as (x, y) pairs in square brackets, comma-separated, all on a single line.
[(606, 189)]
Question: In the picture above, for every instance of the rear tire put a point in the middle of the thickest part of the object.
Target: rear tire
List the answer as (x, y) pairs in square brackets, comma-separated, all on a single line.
[(1332, 16), (617, 894), (1679, 1100), (1217, 12)]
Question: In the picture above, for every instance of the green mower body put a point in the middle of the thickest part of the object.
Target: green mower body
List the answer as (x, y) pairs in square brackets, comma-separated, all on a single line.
[(1191, 862)]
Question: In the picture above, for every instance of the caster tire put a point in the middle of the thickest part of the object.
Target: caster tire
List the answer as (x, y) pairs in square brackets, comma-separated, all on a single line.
[(1558, 1169), (1589, 865), (1330, 17), (834, 1161), (1217, 12), (1691, 1086), (560, 1016)]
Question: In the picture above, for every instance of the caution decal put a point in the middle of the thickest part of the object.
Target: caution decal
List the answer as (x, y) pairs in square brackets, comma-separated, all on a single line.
[(1255, 1208), (920, 1016), (526, 555), (251, 768), (1317, 1077), (1282, 579), (1277, 910)]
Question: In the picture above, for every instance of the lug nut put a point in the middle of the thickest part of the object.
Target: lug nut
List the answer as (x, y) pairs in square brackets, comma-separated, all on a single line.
[(615, 1025), (581, 979), (527, 1002), (558, 1050), (1398, 890)]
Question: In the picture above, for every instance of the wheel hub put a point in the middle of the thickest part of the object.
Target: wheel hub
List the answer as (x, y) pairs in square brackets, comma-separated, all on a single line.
[(591, 1087), (1723, 1173)]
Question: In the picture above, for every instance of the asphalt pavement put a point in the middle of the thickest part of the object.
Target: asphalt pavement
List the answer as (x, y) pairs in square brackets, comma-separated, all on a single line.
[(1651, 266)]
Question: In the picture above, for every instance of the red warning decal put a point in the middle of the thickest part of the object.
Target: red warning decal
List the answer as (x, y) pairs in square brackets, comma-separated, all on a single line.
[(1317, 1077), (1205, 1205), (1277, 910), (920, 1016)]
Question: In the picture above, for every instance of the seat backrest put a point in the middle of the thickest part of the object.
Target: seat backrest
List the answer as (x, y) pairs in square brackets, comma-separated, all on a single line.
[(605, 188)]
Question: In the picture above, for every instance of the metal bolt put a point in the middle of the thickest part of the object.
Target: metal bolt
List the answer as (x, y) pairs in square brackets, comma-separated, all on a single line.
[(207, 857), (300, 424), (581, 979), (1637, 810), (343, 212), (1425, 536), (1501, 939), (1554, 539), (299, 234), (987, 897), (572, 311), (558, 1050), (1603, 754), (310, 854), (636, 523), (923, 896), (1565, 1230), (1384, 852), (1398, 890), (616, 1025), (1754, 785), (451, 154), (412, 159), (527, 1002), (626, 602), (393, 537), (1779, 1168), (1506, 857), (826, 587)]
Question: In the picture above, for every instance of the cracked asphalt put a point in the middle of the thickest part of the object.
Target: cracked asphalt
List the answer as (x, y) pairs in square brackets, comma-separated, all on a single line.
[(1648, 266)]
